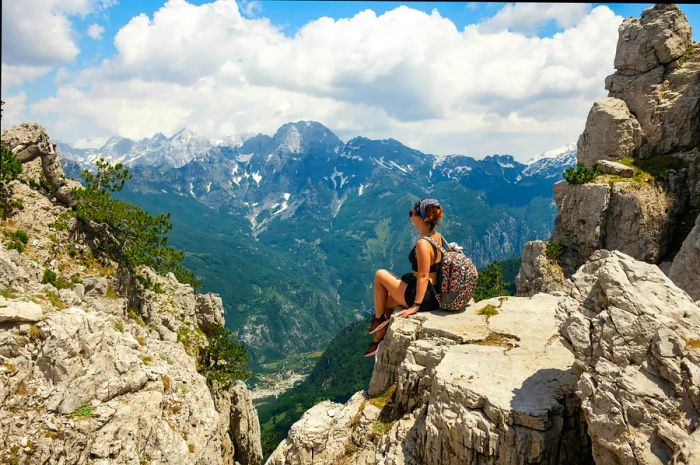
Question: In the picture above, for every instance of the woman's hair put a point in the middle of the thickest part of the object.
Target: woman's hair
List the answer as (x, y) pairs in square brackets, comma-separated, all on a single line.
[(430, 211), (433, 215)]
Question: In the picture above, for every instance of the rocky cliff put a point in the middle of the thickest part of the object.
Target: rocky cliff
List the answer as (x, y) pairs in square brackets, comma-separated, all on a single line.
[(97, 365), (598, 359), (645, 139)]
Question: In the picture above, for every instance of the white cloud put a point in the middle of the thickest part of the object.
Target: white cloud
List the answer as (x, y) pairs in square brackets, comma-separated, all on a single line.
[(95, 31), (13, 75), (404, 74), (251, 8), (529, 17)]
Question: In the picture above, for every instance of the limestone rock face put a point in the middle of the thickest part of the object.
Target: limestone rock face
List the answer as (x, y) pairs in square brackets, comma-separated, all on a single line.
[(209, 310), (661, 35), (685, 269), (96, 372), (658, 77), (634, 218), (29, 141), (611, 132), (635, 338), (451, 388), (538, 272), (12, 310)]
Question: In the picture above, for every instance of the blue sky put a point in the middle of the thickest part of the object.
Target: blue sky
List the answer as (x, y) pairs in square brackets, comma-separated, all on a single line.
[(60, 90)]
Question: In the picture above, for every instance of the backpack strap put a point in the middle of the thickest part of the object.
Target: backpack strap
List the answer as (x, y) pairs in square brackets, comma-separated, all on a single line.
[(436, 245)]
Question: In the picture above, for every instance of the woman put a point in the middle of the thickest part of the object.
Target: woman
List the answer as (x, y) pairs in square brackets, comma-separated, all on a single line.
[(415, 291)]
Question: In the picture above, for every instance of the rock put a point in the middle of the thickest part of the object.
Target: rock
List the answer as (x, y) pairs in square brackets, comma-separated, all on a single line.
[(467, 389), (635, 218), (244, 426), (661, 35), (30, 141), (688, 452), (614, 168), (538, 272), (95, 285), (209, 310), (13, 311), (611, 133), (685, 268), (635, 338), (319, 437)]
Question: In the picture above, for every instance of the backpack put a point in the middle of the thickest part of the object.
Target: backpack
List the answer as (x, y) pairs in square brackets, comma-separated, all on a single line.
[(456, 279)]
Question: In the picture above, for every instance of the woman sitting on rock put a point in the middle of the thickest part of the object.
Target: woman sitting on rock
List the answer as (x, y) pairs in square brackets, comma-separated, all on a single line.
[(415, 291)]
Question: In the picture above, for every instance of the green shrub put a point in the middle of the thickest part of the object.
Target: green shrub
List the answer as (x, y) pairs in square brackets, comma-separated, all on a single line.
[(581, 174), (126, 233), (224, 360), (10, 167), (50, 277), (554, 250), (17, 240), (147, 283), (491, 282)]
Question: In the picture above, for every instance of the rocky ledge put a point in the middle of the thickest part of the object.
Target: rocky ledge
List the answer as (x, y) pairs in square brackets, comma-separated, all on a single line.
[(492, 384)]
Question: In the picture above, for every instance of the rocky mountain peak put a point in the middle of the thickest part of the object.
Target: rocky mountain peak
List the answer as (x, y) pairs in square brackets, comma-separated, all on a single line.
[(299, 136)]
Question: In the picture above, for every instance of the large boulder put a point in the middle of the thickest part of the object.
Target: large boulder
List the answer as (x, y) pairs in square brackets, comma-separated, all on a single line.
[(611, 133), (636, 339), (661, 35)]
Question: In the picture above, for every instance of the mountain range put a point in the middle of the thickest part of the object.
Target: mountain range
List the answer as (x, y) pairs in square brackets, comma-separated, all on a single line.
[(290, 228)]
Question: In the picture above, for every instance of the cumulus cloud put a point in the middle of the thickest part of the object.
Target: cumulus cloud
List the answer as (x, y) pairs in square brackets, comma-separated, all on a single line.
[(404, 74), (529, 17), (95, 31)]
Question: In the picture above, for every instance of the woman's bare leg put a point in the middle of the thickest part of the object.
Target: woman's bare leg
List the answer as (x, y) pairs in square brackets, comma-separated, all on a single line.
[(387, 285), (388, 293)]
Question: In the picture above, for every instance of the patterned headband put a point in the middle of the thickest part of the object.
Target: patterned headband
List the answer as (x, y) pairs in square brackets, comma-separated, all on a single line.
[(421, 206)]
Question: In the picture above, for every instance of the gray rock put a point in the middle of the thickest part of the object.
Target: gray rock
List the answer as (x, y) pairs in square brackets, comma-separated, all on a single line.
[(13, 311), (468, 389), (632, 332), (661, 35), (635, 218), (685, 269), (611, 133), (209, 310), (614, 168), (538, 272)]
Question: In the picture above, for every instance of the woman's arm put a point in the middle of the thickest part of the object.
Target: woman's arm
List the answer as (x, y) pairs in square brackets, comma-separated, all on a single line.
[(422, 278)]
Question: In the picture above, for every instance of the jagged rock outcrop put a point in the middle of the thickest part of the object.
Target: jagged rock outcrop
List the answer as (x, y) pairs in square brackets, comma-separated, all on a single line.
[(636, 338), (657, 77), (651, 117), (456, 388), (29, 141), (99, 367), (539, 272), (685, 269)]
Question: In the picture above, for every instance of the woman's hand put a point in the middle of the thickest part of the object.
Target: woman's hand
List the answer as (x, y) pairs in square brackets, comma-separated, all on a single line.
[(409, 311)]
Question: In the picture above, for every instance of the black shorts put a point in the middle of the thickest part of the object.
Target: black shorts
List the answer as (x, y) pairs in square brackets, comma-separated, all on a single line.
[(429, 303)]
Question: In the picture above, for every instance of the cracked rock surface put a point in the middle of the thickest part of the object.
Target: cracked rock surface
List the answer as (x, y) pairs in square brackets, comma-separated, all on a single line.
[(465, 388)]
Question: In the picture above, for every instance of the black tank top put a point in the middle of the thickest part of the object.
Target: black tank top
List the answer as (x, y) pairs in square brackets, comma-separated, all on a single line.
[(414, 261)]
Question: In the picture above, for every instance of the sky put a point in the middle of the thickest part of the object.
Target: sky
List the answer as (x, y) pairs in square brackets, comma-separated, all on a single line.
[(445, 78)]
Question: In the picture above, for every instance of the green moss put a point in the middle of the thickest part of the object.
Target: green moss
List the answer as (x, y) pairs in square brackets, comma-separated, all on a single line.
[(8, 294), (54, 300), (135, 316), (119, 326), (110, 294), (84, 411), (488, 311), (382, 399), (147, 360)]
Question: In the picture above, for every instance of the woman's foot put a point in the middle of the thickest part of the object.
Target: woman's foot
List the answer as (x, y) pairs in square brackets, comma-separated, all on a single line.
[(372, 350), (378, 324)]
